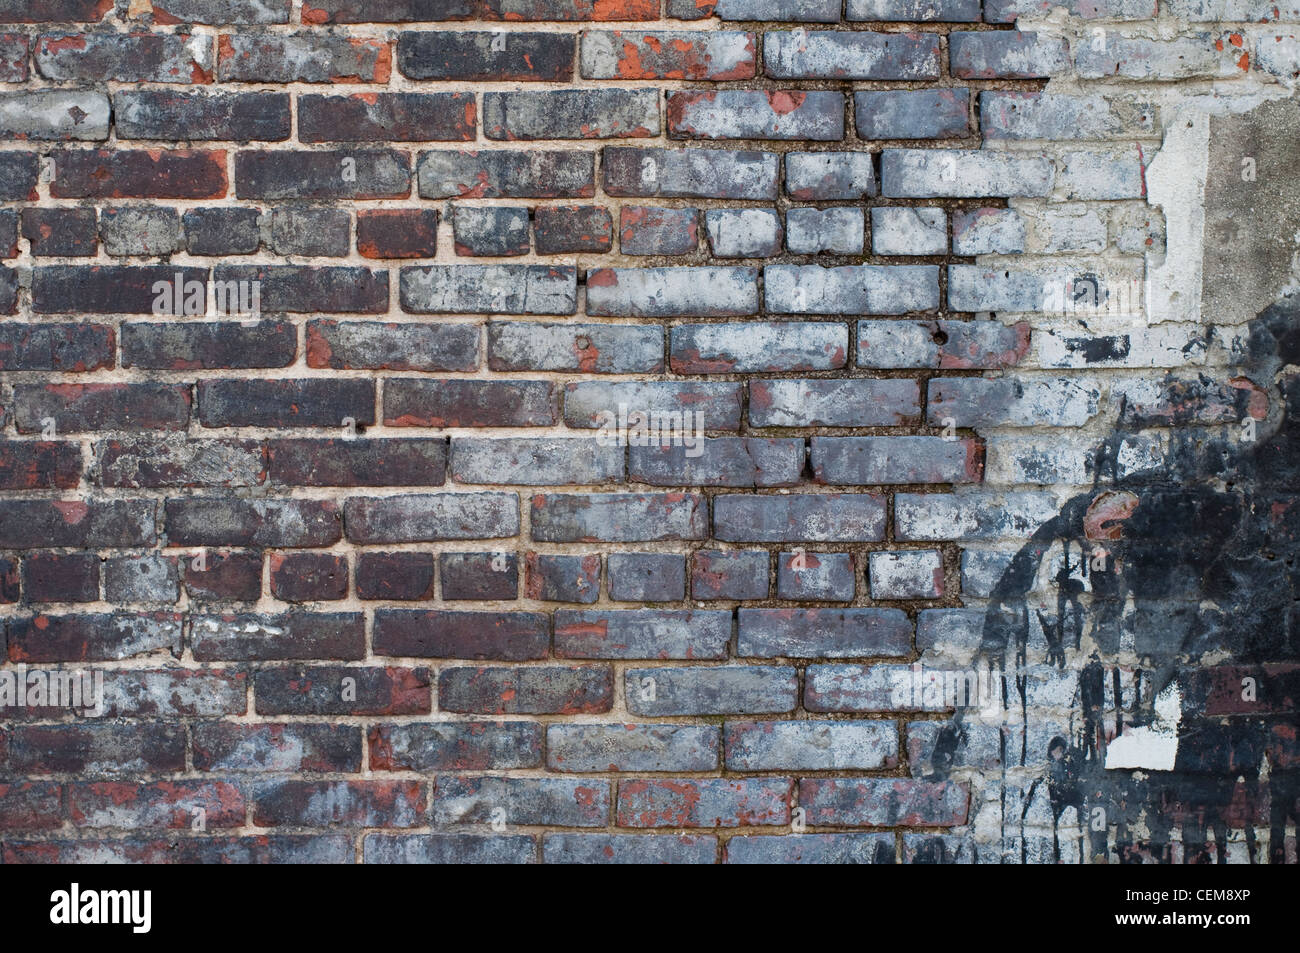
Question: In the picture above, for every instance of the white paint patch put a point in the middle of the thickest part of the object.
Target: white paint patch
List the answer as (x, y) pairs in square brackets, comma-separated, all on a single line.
[(1176, 184), (1151, 747)]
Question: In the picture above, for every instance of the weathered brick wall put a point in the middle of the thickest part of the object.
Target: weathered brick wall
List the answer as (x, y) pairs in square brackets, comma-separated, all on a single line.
[(980, 309)]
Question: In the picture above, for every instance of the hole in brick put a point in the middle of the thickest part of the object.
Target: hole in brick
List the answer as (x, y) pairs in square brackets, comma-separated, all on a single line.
[(940, 337)]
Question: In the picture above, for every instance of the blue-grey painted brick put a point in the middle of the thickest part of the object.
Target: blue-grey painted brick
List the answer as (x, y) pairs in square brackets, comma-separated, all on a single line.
[(822, 633), (456, 746), (690, 173), (562, 802), (658, 231), (141, 578), (489, 289), (1202, 55), (988, 231), (837, 230), (964, 344), (953, 633), (851, 289), (54, 114), (811, 745), (977, 288), (914, 574), (222, 231), (222, 12), (981, 570), (411, 518), (851, 55), (670, 292), (589, 348), (870, 461), (941, 11), (768, 347), (937, 684), (618, 747), (1234, 11), (414, 346), (812, 849), (450, 849), (646, 577), (729, 574), (705, 802), (558, 578), (535, 461), (571, 114), (806, 11), (981, 749), (811, 176), (828, 577), (863, 688), (566, 848), (642, 633), (837, 517), (883, 802), (720, 461), (833, 403), (468, 402), (909, 231), (618, 517), (1012, 401), (712, 690), (940, 516), (999, 54), (1038, 115), (144, 230), (490, 232), (506, 173), (756, 114), (743, 232), (528, 690), (963, 173), (719, 403), (912, 114)]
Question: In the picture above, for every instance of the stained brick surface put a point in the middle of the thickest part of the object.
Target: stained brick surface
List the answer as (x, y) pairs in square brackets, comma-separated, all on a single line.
[(584, 431)]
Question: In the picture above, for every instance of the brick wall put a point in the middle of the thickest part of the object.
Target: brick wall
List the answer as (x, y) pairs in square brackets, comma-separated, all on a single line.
[(332, 329)]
